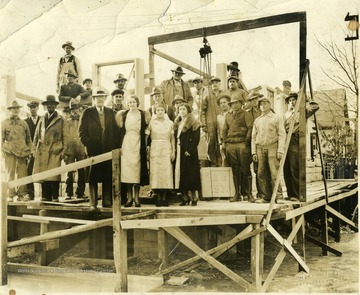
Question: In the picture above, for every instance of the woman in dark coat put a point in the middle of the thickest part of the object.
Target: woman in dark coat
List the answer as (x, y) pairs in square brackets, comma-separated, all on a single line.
[(133, 141), (187, 168)]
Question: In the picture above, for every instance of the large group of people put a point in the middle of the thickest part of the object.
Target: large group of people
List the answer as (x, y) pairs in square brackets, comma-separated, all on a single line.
[(159, 145)]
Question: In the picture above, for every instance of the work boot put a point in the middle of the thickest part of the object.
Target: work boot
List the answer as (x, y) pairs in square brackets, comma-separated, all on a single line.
[(251, 199), (93, 197), (236, 197)]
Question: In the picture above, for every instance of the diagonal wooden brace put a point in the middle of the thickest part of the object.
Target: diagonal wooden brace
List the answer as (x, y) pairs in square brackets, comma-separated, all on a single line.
[(281, 255), (184, 239), (340, 216)]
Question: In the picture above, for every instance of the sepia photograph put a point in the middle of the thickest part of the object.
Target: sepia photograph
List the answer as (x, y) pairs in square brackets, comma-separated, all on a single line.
[(168, 146)]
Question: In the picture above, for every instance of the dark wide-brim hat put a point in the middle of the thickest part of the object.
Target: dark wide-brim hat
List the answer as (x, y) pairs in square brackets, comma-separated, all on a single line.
[(233, 66), (178, 98), (120, 77), (293, 94), (156, 90), (50, 99), (223, 95), (179, 70), (197, 80), (68, 43), (14, 105)]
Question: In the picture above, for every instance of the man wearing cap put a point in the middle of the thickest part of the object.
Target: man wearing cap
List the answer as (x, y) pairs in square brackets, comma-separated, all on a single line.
[(68, 62), (51, 141), (267, 148), (158, 98), (233, 70), (99, 134), (32, 122), (199, 94), (76, 153), (233, 88), (253, 109), (175, 86), (208, 117), (72, 91), (291, 165), (178, 100), (223, 102), (16, 147), (117, 100), (236, 136), (87, 84)]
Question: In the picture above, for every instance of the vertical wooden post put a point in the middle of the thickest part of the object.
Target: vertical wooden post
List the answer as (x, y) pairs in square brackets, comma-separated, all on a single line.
[(163, 248), (120, 235), (302, 117), (324, 229), (336, 221), (139, 81), (3, 232), (293, 223), (301, 240), (151, 67), (257, 258), (44, 228)]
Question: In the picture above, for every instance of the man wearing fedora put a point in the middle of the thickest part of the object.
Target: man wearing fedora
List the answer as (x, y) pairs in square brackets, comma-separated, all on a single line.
[(51, 141), (100, 134), (158, 98), (267, 148), (208, 117), (178, 100), (72, 91), (233, 70), (176, 86), (291, 165), (68, 62), (236, 136), (32, 122), (16, 147), (76, 153)]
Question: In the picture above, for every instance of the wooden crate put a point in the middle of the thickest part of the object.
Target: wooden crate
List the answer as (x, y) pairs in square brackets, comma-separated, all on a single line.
[(217, 182)]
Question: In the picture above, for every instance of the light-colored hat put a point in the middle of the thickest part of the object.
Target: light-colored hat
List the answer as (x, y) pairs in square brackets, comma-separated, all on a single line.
[(254, 95), (33, 103), (99, 91), (235, 98), (86, 80), (223, 95), (156, 90), (14, 105), (68, 43), (263, 99), (70, 72), (177, 98), (213, 79)]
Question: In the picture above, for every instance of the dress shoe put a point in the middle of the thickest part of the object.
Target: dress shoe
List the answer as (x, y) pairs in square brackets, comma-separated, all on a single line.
[(137, 204), (183, 203), (158, 203), (128, 204), (294, 199), (165, 203), (235, 199), (107, 206), (193, 203), (55, 199)]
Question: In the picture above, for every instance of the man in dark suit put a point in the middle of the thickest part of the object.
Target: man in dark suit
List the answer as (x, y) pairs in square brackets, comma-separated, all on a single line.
[(32, 122), (99, 133)]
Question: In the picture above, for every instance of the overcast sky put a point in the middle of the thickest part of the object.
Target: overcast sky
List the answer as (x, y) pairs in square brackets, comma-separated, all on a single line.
[(32, 33)]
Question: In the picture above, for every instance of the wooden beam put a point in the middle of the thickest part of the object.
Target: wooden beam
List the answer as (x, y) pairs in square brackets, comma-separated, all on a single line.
[(194, 221), (184, 239), (61, 170), (27, 97), (4, 233), (288, 246), (120, 240), (246, 233), (163, 248), (310, 207), (322, 245), (61, 233), (138, 215), (58, 219), (280, 19), (115, 62), (281, 255), (340, 216), (25, 219), (179, 62)]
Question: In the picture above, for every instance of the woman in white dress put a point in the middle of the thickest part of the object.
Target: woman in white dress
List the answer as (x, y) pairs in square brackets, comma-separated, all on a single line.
[(162, 154), (133, 141)]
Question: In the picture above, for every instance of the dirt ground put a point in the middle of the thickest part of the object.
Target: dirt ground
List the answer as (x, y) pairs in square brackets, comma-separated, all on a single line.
[(328, 274)]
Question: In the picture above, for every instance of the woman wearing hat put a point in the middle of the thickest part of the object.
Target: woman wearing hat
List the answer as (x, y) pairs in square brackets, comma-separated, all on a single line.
[(16, 147), (51, 141), (162, 154), (133, 141), (68, 62), (187, 167)]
